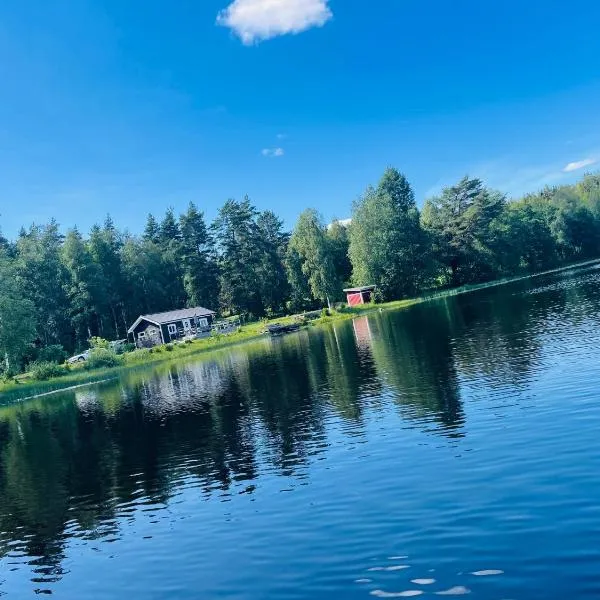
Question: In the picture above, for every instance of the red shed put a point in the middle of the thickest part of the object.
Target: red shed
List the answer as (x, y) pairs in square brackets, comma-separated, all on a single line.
[(359, 295)]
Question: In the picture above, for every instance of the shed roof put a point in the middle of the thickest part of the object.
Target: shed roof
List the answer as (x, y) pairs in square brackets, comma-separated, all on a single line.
[(173, 315), (364, 288)]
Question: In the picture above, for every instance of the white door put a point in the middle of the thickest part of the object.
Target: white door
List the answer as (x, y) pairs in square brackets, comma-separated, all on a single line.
[(186, 325)]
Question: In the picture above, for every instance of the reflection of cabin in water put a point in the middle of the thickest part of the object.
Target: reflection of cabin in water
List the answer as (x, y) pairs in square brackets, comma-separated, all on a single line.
[(362, 332), (360, 295), (162, 328)]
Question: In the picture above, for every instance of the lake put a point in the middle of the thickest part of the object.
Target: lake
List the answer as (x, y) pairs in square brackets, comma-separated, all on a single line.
[(448, 449)]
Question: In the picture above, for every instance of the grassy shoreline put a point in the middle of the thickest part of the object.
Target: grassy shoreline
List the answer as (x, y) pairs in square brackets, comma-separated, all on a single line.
[(250, 332)]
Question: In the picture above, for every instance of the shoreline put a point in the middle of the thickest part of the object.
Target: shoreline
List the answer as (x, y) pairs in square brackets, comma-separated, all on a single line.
[(248, 333)]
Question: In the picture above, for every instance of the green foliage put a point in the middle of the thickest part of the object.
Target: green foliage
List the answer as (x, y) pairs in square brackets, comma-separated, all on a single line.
[(41, 277), (98, 342), (44, 370), (310, 260), (102, 358), (239, 261), (55, 353), (200, 273), (250, 248), (58, 291), (82, 286), (169, 347), (152, 230), (17, 318), (460, 223), (272, 278), (387, 244), (339, 244)]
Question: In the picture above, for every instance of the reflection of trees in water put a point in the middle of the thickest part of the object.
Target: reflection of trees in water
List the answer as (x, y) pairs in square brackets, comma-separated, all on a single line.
[(261, 407), (496, 335), (350, 374), (413, 353)]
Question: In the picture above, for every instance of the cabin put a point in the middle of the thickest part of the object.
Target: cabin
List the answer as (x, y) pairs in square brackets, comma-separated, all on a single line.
[(359, 295), (166, 327)]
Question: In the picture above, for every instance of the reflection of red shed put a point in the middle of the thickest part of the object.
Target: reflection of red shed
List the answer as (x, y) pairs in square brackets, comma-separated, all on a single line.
[(359, 295)]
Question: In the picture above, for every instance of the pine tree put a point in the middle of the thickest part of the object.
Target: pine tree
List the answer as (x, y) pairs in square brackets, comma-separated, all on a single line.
[(459, 222), (272, 278), (152, 229), (237, 237), (200, 276)]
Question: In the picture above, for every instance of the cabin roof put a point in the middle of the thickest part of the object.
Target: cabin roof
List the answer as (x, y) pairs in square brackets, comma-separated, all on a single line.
[(364, 288), (173, 315)]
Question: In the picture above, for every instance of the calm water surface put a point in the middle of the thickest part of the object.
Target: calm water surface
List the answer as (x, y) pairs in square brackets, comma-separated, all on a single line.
[(448, 449)]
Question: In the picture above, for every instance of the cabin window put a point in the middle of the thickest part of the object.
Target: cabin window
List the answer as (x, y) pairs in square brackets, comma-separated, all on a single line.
[(202, 322), (141, 335), (172, 328)]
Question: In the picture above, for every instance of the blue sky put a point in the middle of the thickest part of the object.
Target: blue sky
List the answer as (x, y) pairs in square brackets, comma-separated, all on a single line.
[(128, 107)]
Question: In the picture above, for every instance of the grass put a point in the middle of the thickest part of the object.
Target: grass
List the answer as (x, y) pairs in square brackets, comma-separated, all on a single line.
[(26, 387)]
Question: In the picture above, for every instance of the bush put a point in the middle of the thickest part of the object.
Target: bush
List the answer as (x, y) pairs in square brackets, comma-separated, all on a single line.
[(98, 342), (43, 370), (126, 348), (7, 378), (169, 347), (102, 358), (52, 354)]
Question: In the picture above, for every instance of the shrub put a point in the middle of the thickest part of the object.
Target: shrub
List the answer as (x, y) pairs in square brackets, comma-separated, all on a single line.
[(43, 370), (98, 342), (125, 348), (7, 378), (52, 354), (169, 347), (102, 358)]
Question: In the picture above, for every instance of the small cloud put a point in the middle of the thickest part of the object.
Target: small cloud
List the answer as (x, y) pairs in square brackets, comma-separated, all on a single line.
[(580, 164), (257, 20), (281, 136), (343, 222), (273, 152)]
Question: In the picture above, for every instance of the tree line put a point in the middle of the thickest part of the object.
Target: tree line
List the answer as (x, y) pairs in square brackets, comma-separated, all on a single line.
[(60, 289)]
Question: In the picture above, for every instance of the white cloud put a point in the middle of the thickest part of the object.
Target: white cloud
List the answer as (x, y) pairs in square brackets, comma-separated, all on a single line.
[(509, 175), (580, 164), (343, 222), (256, 20), (273, 152), (281, 136)]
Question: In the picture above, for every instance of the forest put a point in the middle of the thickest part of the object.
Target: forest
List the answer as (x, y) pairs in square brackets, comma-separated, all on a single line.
[(59, 289)]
